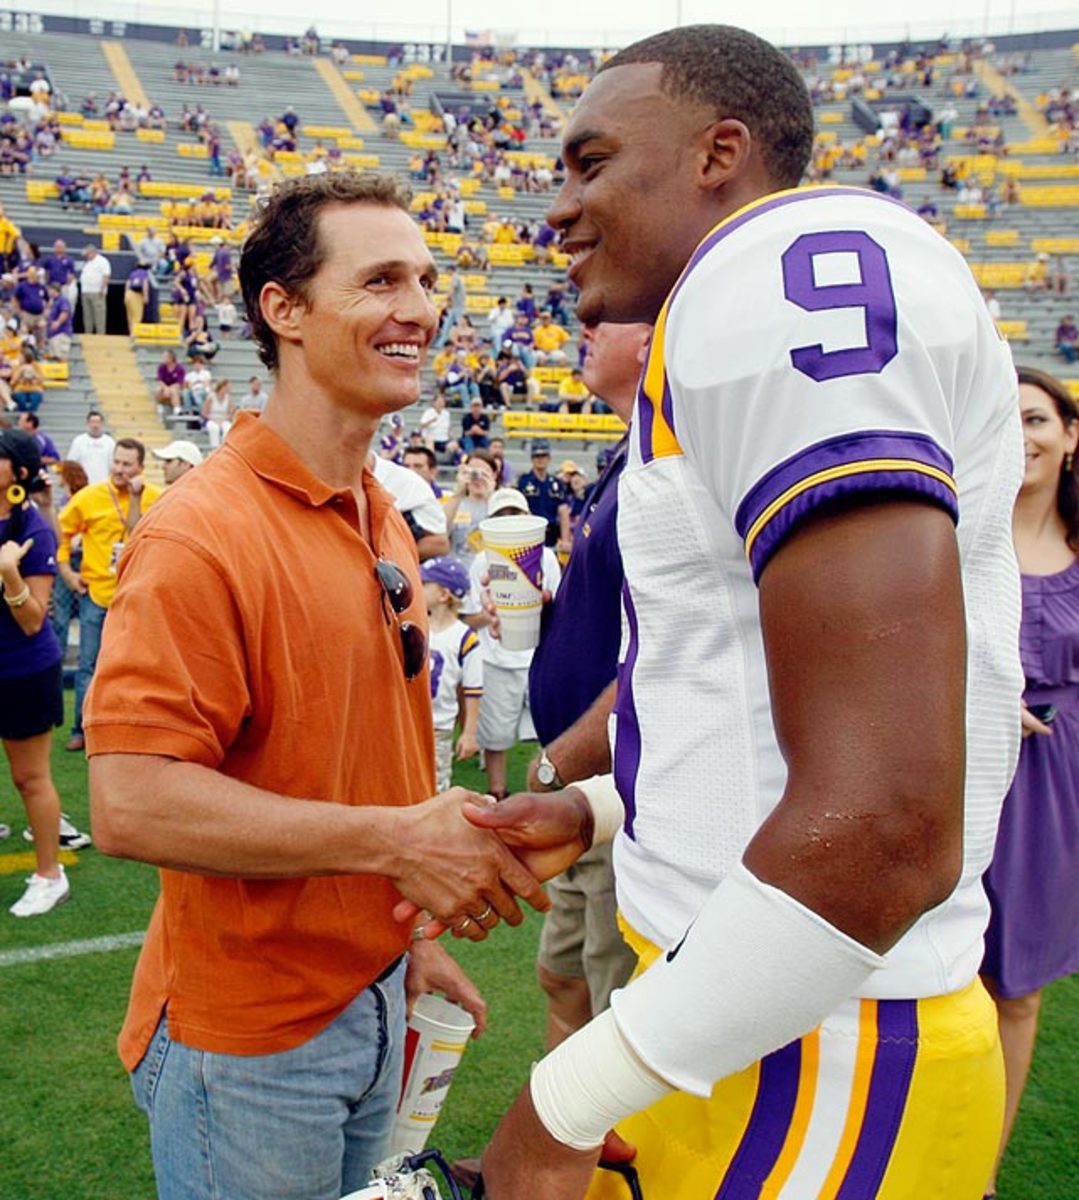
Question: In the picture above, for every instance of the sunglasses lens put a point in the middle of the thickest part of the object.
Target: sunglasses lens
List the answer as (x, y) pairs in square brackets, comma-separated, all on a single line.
[(395, 584), (414, 644)]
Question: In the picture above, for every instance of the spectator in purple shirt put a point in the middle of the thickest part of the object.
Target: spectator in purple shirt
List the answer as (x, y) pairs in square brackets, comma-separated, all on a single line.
[(30, 422), (1067, 339), (526, 302), (58, 325), (31, 296), (59, 266), (519, 340), (222, 272), (168, 391)]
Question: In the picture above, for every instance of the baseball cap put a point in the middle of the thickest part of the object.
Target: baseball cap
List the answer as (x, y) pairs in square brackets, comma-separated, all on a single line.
[(507, 498), (447, 572), (539, 446), (185, 451), (568, 467)]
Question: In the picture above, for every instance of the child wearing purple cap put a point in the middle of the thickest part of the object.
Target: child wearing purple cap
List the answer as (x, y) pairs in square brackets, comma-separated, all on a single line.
[(456, 665)]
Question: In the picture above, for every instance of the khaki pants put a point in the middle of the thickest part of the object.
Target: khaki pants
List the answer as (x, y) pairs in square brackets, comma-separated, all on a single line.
[(93, 313), (135, 306)]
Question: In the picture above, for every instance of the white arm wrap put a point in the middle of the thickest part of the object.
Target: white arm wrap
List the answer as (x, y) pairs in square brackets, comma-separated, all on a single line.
[(756, 970), (591, 1081), (608, 812)]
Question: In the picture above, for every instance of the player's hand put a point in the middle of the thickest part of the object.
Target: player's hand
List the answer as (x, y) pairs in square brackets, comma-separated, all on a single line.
[(522, 1159), (431, 969), (467, 746), (135, 485), (1031, 724), (461, 874), (547, 832)]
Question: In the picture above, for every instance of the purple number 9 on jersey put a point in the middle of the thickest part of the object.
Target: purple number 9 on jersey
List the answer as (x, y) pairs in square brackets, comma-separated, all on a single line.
[(873, 293)]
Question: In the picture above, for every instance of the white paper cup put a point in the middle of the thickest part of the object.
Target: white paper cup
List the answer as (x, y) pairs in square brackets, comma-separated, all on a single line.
[(437, 1034), (514, 548)]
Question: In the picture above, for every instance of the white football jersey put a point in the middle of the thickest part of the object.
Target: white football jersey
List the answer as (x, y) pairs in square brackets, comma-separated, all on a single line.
[(456, 662), (821, 343)]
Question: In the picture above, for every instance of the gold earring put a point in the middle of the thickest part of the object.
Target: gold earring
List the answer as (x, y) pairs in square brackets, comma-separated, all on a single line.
[(15, 494), (1069, 458)]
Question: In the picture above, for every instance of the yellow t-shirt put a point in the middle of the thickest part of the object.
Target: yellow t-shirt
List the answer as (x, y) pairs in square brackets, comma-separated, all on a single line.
[(9, 233), (98, 512), (569, 389), (549, 337)]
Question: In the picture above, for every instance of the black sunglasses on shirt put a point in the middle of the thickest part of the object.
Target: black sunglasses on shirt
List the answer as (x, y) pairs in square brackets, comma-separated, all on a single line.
[(398, 591)]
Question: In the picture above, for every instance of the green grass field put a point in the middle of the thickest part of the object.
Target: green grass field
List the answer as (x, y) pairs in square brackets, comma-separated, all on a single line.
[(68, 1128)]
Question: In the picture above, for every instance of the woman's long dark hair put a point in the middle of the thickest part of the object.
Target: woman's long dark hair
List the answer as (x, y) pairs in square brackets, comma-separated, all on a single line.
[(1068, 411)]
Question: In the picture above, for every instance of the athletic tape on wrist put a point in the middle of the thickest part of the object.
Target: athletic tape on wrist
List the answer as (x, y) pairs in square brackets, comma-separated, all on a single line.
[(608, 812), (756, 970), (591, 1081)]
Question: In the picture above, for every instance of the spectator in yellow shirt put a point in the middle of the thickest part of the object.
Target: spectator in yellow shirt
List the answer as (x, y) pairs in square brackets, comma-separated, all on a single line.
[(549, 338), (104, 514), (573, 394), (9, 235)]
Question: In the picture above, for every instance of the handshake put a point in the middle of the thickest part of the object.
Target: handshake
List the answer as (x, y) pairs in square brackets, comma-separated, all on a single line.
[(465, 859)]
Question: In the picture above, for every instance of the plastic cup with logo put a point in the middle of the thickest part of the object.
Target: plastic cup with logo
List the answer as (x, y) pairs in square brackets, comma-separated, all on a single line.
[(438, 1032), (514, 546)]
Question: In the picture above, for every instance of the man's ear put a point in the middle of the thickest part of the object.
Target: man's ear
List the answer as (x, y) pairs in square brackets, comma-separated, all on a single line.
[(727, 153), (281, 310)]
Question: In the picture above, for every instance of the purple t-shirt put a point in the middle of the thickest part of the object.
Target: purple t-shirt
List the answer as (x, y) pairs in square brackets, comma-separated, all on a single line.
[(59, 268), (32, 297), (60, 307), (222, 263), (168, 375), (21, 655)]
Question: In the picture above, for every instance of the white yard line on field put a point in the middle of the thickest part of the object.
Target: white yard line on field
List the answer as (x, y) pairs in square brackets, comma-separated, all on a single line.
[(98, 945)]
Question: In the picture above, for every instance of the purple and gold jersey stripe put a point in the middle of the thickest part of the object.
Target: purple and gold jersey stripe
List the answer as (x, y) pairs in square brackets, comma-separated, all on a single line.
[(841, 466)]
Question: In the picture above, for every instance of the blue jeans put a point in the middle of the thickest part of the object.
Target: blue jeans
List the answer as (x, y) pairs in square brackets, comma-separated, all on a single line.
[(305, 1124), (91, 622)]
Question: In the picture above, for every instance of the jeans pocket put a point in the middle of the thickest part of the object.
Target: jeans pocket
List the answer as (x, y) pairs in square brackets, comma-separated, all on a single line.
[(145, 1076)]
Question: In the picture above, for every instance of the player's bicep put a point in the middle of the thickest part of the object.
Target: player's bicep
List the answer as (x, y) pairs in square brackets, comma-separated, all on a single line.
[(864, 633)]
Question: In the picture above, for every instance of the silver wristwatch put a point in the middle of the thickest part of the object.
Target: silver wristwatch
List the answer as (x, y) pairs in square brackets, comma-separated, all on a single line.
[(547, 773)]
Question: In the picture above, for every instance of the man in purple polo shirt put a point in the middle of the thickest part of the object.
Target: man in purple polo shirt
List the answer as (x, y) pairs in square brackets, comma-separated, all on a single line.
[(59, 324), (60, 269), (222, 273), (30, 423), (31, 296)]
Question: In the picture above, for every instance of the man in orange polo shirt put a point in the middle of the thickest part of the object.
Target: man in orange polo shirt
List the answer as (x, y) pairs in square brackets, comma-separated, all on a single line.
[(260, 729)]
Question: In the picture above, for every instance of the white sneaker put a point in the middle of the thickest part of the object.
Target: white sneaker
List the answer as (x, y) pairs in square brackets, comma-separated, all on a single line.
[(41, 895), (70, 837)]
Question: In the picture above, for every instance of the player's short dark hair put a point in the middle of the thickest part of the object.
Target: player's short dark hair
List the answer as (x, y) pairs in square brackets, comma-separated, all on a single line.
[(284, 246), (739, 75), (133, 444), (427, 453), (1068, 411)]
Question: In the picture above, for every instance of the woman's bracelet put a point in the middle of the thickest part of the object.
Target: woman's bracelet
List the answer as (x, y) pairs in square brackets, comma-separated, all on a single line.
[(19, 599)]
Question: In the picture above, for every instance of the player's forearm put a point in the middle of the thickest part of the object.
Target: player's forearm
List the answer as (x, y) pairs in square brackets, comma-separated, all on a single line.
[(584, 749), (470, 720)]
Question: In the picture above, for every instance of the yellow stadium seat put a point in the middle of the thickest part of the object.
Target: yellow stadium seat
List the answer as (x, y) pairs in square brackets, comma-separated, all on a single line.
[(56, 374), (164, 334), (150, 135), (370, 60), (70, 118), (1014, 331), (192, 150), (831, 118), (349, 142), (1002, 237), (1059, 196), (326, 131), (40, 190), (1061, 245), (353, 76)]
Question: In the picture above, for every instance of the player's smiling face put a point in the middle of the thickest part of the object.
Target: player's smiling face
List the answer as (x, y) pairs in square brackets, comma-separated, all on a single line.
[(632, 209)]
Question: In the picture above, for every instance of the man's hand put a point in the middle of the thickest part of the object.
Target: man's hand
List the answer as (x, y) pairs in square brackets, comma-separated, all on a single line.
[(460, 873), (1031, 724), (135, 485), (431, 969), (74, 581), (523, 1160)]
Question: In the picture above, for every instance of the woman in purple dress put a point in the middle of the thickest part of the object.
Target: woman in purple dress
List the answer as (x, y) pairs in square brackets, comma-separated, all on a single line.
[(1033, 935)]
